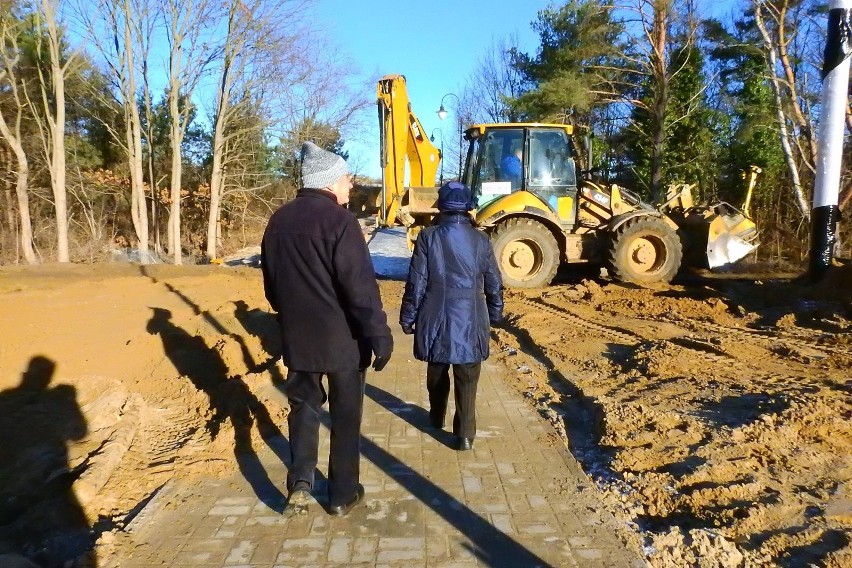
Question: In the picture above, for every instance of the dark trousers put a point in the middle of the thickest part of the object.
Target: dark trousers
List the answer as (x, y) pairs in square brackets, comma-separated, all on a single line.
[(345, 405), (465, 378)]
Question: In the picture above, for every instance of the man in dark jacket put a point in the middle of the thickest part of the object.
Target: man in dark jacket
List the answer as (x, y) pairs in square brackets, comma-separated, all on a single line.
[(452, 294), (318, 276)]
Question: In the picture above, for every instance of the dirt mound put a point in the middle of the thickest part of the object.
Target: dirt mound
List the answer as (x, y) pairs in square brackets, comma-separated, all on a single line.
[(117, 379), (662, 303), (714, 417)]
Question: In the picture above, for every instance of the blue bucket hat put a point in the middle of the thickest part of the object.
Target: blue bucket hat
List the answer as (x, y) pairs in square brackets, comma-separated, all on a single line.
[(454, 196)]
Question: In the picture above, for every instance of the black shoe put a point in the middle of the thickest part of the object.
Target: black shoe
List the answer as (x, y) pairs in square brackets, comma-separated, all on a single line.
[(465, 444), (341, 510), (300, 497)]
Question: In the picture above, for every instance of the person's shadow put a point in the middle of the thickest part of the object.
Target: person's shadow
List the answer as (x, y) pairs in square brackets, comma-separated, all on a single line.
[(264, 327), (229, 398), (40, 517)]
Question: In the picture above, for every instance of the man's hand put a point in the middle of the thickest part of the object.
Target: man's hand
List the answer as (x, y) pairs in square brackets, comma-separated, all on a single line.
[(408, 329), (382, 347)]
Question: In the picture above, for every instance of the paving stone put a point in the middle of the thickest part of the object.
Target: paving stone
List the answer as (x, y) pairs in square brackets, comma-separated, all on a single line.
[(241, 552), (266, 521), (364, 549), (339, 550), (537, 501), (426, 505), (472, 484), (580, 541), (230, 510), (265, 552), (503, 523), (402, 543)]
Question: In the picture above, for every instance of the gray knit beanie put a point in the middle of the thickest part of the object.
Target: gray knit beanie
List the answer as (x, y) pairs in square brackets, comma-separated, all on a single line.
[(321, 168)]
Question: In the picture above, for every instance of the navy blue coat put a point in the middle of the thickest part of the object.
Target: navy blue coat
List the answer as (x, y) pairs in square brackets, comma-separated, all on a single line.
[(452, 293)]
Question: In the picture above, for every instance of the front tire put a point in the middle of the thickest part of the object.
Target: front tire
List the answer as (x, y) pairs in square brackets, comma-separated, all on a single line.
[(644, 250), (527, 253)]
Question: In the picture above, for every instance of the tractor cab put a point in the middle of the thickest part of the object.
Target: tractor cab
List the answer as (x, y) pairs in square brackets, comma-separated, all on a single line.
[(523, 166)]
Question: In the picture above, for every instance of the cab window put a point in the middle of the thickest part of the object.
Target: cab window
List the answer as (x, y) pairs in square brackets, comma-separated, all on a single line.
[(501, 164), (552, 171)]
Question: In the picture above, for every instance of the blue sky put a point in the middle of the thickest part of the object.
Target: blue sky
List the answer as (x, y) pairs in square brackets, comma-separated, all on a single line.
[(436, 44)]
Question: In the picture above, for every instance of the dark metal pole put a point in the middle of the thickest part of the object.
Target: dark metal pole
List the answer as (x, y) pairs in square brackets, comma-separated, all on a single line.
[(835, 75), (442, 159), (461, 145), (441, 154), (442, 113)]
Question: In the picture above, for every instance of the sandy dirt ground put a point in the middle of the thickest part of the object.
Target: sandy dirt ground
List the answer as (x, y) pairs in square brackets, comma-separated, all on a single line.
[(713, 416)]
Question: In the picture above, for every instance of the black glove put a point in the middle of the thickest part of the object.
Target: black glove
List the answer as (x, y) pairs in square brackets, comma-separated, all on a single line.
[(382, 347), (408, 329)]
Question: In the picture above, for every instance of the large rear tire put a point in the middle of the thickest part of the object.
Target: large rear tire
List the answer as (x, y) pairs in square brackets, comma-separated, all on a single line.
[(644, 250), (527, 253)]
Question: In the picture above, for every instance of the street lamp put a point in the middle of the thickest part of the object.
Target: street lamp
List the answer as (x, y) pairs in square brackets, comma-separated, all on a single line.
[(432, 139), (442, 114)]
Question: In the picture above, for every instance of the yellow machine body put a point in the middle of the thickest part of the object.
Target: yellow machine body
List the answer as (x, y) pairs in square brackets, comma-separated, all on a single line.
[(544, 213), (404, 146)]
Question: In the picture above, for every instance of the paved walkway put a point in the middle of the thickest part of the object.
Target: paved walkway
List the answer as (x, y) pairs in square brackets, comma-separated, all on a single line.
[(516, 500)]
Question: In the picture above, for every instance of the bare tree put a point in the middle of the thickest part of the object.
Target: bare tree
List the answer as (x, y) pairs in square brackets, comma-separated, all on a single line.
[(658, 64), (190, 54), (262, 46), (10, 29), (125, 23), (651, 61), (53, 105), (147, 29), (663, 32), (776, 41), (323, 90), (493, 84)]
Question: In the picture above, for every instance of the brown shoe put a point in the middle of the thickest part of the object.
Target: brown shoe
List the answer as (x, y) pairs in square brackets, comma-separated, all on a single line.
[(342, 510)]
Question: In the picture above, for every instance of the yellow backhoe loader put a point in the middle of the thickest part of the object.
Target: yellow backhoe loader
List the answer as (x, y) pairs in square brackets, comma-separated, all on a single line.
[(539, 214)]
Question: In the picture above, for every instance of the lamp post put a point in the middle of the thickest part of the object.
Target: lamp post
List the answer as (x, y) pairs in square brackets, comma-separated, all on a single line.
[(442, 114), (432, 138)]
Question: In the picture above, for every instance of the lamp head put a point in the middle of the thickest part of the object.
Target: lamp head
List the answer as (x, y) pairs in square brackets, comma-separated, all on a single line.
[(442, 112)]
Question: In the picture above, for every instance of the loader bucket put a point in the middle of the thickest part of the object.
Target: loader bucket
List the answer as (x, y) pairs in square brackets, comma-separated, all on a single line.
[(717, 235)]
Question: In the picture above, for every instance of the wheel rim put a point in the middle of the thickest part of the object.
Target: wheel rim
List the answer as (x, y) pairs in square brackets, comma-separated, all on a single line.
[(522, 259), (647, 254)]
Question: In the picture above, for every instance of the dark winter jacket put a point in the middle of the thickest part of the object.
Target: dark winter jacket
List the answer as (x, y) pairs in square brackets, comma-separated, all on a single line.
[(318, 276), (453, 291)]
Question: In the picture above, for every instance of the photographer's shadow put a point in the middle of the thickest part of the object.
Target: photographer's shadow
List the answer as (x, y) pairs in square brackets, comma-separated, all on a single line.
[(40, 515)]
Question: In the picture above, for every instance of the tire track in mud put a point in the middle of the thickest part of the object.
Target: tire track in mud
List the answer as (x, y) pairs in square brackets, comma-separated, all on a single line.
[(144, 439), (697, 345), (694, 503), (766, 337)]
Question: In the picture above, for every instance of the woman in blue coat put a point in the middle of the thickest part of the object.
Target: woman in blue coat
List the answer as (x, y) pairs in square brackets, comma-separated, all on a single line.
[(452, 295)]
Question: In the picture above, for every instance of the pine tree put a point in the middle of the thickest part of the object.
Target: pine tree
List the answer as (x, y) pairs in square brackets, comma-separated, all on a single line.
[(573, 71)]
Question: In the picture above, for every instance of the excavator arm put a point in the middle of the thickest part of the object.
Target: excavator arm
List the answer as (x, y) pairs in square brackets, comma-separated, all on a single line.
[(402, 140)]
